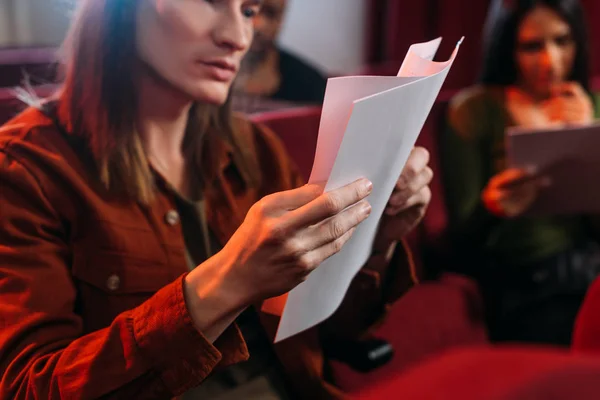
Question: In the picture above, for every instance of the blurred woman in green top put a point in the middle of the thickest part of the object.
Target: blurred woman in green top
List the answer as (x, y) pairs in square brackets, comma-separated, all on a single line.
[(533, 271)]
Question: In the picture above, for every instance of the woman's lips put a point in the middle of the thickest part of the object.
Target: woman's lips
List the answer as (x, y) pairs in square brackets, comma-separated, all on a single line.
[(219, 70)]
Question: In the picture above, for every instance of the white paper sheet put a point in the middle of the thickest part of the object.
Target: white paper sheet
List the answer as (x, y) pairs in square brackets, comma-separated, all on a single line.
[(368, 128), (569, 156)]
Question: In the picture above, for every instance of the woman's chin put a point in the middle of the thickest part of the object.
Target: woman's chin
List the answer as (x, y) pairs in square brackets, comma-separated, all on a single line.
[(214, 93)]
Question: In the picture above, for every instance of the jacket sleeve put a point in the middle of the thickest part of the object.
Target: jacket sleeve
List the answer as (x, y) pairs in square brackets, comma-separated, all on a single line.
[(152, 351)]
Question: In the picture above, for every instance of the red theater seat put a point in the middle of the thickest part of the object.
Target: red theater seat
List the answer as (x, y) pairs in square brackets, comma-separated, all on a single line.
[(298, 129), (495, 374), (586, 336), (431, 318)]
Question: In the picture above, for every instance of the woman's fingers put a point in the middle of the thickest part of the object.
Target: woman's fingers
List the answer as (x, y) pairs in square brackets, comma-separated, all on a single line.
[(312, 259), (328, 204), (333, 228), (399, 198)]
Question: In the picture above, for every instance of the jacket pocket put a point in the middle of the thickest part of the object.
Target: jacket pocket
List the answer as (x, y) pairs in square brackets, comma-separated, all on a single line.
[(109, 283)]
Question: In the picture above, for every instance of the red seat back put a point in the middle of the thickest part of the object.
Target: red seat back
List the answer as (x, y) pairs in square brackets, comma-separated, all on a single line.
[(298, 129), (586, 335)]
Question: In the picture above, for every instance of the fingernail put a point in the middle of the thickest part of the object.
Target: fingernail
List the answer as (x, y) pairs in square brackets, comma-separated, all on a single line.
[(367, 209), (368, 185)]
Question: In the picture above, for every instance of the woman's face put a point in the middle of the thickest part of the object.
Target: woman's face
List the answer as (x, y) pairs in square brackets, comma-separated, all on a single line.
[(545, 51), (196, 45)]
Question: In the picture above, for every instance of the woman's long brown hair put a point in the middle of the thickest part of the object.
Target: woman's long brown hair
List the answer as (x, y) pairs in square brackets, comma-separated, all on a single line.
[(98, 101)]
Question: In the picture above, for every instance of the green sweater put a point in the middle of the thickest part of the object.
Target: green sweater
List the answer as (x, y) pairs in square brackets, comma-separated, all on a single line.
[(473, 150)]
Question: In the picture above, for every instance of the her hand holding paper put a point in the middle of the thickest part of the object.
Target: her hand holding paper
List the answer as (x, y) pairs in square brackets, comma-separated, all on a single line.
[(408, 203), (368, 129)]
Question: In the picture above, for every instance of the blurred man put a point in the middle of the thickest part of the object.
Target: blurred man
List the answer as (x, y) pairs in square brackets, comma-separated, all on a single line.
[(269, 71)]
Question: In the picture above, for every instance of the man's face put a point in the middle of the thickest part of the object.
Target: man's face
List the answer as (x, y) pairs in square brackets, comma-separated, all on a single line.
[(267, 25)]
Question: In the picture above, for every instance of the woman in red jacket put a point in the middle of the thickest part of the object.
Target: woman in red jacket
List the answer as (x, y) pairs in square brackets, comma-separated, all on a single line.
[(139, 219)]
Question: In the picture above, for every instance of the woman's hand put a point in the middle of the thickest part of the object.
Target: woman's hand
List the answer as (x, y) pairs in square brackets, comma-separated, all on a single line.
[(569, 104), (285, 236), (408, 202), (512, 192)]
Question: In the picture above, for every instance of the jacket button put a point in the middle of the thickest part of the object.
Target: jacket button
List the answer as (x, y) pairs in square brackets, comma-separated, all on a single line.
[(113, 282), (172, 217)]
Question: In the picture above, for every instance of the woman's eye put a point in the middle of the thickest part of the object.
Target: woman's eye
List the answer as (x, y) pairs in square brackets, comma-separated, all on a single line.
[(564, 40), (251, 12), (531, 46)]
